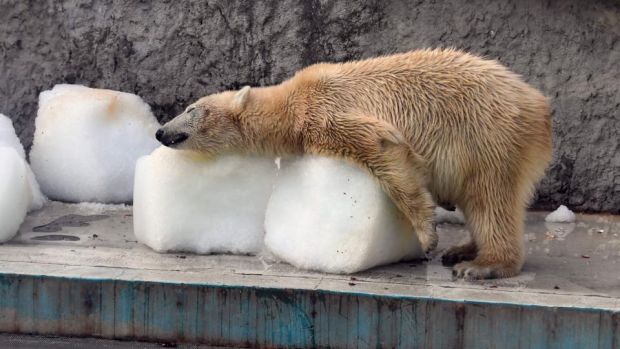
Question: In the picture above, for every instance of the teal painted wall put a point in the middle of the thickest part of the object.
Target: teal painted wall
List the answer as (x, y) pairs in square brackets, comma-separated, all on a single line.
[(255, 317)]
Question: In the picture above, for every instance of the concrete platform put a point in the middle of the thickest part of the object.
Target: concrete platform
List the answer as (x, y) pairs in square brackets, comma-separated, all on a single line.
[(78, 271)]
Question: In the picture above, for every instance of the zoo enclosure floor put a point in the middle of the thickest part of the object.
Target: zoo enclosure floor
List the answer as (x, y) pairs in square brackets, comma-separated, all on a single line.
[(572, 266)]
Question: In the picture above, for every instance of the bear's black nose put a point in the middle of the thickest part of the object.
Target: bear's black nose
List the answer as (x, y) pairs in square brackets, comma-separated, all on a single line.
[(170, 139), (159, 134)]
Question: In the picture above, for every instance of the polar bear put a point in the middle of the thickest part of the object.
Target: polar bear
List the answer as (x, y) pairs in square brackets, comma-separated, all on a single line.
[(430, 125)]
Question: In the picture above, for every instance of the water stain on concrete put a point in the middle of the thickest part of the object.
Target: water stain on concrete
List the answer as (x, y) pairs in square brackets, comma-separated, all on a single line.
[(56, 237), (70, 220)]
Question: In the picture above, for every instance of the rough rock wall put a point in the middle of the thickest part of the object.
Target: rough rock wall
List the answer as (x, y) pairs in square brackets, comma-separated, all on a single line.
[(172, 52)]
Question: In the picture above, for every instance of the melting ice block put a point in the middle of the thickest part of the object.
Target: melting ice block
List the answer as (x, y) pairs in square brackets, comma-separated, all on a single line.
[(8, 138), (184, 201), (87, 142), (329, 215), (15, 195)]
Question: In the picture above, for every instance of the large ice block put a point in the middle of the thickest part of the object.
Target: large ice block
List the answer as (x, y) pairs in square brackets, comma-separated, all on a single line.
[(330, 215), (185, 201), (87, 141)]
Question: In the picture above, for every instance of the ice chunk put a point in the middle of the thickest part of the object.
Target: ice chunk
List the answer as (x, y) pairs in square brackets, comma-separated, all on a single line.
[(444, 216), (329, 215), (87, 142), (15, 193), (561, 215), (184, 201), (8, 138)]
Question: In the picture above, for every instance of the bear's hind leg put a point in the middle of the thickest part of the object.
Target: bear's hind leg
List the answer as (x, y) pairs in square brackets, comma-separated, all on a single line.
[(494, 213)]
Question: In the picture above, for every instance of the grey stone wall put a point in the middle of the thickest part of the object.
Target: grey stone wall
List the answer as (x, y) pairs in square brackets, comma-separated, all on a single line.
[(172, 52)]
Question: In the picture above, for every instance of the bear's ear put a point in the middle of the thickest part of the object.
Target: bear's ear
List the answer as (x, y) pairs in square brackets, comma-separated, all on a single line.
[(241, 97)]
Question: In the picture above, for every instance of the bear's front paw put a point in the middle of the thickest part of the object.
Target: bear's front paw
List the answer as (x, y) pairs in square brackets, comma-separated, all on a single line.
[(458, 254)]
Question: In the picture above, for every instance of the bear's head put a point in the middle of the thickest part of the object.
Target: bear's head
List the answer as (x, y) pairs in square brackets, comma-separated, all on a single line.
[(209, 125)]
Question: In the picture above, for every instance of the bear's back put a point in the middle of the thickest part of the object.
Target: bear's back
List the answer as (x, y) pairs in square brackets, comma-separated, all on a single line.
[(443, 101), (434, 85)]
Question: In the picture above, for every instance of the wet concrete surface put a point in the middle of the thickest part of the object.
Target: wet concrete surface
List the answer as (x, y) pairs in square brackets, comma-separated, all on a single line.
[(576, 259)]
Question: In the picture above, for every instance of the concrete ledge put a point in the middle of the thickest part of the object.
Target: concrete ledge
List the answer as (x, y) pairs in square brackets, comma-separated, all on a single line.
[(106, 285)]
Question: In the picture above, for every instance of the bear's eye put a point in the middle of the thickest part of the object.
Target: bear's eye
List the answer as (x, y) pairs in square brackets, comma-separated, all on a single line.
[(190, 109)]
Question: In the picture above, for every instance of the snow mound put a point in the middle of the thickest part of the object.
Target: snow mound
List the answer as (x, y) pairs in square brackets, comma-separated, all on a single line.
[(8, 138), (184, 201), (328, 215), (561, 215), (445, 216), (87, 142), (15, 195)]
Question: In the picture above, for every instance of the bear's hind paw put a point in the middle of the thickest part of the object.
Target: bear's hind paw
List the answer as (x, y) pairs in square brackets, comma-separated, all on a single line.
[(473, 270)]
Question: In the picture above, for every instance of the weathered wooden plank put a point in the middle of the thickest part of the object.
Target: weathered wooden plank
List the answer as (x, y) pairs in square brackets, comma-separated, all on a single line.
[(532, 327), (277, 317), (573, 329), (615, 329)]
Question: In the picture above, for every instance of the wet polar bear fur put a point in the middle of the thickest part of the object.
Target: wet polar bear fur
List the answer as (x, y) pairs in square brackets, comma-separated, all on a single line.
[(431, 126)]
